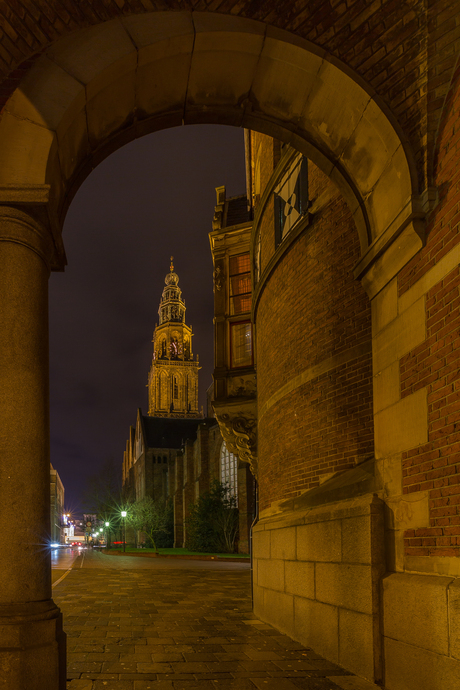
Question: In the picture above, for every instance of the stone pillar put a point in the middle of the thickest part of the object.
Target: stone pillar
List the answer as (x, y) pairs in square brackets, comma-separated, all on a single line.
[(32, 643)]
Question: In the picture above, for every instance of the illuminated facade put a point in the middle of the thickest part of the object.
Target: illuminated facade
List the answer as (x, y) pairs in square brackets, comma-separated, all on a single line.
[(234, 395), (173, 376), (56, 507)]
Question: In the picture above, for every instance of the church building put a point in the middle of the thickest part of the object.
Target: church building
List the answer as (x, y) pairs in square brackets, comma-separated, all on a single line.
[(175, 452)]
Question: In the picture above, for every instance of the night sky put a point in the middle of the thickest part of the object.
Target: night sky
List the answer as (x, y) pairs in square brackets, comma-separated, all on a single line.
[(151, 199)]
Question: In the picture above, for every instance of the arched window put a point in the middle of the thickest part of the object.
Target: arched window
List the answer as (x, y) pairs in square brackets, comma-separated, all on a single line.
[(176, 388), (228, 470), (163, 391)]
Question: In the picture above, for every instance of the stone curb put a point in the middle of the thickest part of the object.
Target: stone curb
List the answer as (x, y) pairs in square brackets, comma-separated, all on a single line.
[(188, 558)]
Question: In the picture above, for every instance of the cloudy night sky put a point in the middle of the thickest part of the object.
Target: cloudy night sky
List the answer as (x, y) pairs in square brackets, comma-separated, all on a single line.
[(151, 199)]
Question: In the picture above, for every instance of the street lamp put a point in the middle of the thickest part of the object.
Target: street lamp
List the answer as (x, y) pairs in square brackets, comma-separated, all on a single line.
[(107, 535), (123, 515)]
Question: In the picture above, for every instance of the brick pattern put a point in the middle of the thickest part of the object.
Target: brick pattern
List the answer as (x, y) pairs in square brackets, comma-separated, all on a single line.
[(435, 364), (404, 50), (331, 427), (312, 309), (444, 222)]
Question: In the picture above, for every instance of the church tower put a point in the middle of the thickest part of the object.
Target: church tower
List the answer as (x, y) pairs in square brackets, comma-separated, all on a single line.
[(173, 376)]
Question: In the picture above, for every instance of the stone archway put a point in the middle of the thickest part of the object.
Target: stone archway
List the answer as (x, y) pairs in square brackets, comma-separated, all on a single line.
[(90, 93), (98, 88)]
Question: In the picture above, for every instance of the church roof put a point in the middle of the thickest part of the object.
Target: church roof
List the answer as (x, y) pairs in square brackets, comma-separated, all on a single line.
[(163, 432)]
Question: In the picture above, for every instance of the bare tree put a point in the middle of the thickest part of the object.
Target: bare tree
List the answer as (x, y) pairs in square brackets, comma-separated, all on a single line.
[(150, 517)]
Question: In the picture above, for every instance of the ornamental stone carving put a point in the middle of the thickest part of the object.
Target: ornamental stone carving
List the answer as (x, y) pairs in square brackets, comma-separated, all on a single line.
[(240, 434), (217, 276), (242, 385)]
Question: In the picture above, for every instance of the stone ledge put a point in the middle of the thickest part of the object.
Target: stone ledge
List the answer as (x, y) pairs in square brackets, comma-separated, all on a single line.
[(297, 511), (413, 668), (415, 610), (187, 558)]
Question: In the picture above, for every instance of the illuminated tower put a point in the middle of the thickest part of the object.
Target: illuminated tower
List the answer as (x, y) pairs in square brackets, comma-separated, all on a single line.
[(173, 376)]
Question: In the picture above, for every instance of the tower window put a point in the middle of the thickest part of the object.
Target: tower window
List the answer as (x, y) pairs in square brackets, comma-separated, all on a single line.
[(240, 284), (228, 470), (176, 388)]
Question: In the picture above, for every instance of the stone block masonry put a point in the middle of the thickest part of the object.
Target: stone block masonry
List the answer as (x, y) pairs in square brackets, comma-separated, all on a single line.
[(322, 586)]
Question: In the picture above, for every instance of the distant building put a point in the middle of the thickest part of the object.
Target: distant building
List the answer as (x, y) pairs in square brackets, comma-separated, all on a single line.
[(56, 507)]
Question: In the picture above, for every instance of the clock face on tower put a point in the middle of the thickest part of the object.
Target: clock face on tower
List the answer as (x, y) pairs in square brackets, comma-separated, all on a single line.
[(174, 349)]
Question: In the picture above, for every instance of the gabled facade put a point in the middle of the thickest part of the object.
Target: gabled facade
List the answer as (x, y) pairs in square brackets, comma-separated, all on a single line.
[(234, 393)]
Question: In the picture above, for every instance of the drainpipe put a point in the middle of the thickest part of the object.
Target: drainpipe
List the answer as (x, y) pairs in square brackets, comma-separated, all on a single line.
[(248, 164), (254, 523)]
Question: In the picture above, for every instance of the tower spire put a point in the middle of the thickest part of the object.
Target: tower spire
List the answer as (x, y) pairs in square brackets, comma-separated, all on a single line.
[(173, 377)]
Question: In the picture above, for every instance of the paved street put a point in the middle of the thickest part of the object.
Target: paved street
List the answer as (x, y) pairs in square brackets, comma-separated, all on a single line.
[(148, 624)]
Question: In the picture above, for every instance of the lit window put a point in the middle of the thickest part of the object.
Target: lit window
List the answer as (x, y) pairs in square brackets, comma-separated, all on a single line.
[(240, 284), (228, 470), (241, 344)]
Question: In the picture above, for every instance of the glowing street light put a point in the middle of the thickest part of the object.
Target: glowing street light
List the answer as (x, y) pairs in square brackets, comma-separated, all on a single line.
[(123, 515), (107, 525)]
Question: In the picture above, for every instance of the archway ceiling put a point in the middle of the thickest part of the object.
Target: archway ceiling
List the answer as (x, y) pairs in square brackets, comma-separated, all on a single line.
[(100, 87)]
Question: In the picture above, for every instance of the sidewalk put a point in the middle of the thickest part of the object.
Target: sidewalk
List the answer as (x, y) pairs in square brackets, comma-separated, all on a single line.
[(171, 629)]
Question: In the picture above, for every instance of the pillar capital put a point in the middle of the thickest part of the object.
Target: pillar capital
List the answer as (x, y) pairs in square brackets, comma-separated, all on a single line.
[(396, 246), (19, 226)]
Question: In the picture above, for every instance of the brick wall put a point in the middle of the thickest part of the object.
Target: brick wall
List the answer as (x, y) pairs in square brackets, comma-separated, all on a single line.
[(435, 364), (443, 222), (311, 309)]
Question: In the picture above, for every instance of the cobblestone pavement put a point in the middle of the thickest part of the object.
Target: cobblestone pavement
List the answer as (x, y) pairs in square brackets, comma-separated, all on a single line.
[(141, 624)]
